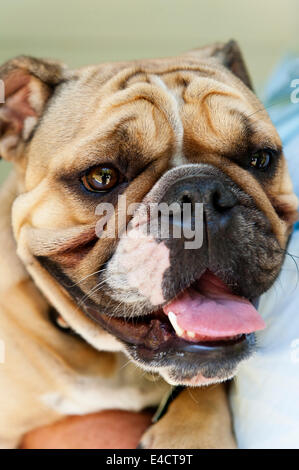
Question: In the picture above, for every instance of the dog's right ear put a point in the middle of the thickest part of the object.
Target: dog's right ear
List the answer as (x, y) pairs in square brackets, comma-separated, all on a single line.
[(26, 85), (227, 54)]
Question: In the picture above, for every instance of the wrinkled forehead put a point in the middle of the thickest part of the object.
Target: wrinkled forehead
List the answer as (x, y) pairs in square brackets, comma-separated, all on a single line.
[(147, 112)]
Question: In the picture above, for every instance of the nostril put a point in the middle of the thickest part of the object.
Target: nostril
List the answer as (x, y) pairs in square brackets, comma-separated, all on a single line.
[(186, 199), (223, 200)]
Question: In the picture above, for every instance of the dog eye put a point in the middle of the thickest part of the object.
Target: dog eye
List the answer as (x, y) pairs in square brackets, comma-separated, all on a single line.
[(100, 178), (260, 160)]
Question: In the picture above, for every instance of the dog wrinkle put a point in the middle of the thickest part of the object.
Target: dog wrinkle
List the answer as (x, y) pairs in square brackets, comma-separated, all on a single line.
[(16, 271), (178, 128)]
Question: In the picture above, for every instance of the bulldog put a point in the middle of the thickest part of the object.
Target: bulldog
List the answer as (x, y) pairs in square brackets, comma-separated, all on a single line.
[(111, 320)]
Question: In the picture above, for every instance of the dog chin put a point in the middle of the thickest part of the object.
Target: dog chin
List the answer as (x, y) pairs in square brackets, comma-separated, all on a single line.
[(185, 375), (198, 380)]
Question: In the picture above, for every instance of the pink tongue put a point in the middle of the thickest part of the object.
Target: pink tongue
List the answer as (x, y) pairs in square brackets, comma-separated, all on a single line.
[(213, 311)]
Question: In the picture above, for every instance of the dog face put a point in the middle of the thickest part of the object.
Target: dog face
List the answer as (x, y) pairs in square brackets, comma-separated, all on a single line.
[(185, 131)]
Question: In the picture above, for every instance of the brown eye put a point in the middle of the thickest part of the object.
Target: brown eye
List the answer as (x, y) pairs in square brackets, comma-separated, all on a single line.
[(100, 178), (260, 160)]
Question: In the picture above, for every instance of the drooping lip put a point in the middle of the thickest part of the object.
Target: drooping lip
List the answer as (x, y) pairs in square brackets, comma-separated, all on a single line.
[(153, 335), (152, 340)]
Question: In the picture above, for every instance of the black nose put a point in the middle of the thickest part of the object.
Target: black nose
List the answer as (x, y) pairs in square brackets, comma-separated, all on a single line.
[(216, 197), (219, 196)]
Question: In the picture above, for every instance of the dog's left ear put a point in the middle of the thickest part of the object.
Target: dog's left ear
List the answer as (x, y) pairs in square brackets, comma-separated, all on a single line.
[(27, 84), (228, 54)]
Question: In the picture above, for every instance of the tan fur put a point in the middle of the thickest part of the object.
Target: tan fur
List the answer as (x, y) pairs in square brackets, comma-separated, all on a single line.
[(159, 114), (198, 419), (47, 374)]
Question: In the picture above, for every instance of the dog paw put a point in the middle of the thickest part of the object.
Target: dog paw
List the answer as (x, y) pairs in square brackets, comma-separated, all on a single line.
[(159, 436), (194, 420), (154, 438)]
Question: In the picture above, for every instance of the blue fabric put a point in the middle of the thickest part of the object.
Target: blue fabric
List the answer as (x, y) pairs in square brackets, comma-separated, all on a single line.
[(284, 113), (265, 394)]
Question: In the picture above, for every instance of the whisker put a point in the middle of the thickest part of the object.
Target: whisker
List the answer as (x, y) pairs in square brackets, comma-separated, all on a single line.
[(86, 277), (92, 291), (265, 108), (126, 364), (295, 262)]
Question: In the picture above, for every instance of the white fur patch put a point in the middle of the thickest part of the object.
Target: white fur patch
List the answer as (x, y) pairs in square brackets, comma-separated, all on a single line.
[(136, 270), (178, 158)]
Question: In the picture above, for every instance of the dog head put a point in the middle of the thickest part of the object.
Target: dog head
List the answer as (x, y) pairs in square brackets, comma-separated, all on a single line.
[(186, 131)]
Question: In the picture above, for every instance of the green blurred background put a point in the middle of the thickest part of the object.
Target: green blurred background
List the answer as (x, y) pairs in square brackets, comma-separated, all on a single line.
[(88, 31)]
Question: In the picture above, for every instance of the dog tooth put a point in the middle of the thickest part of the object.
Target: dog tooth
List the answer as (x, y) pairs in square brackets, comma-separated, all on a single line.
[(61, 322), (173, 321), (191, 334)]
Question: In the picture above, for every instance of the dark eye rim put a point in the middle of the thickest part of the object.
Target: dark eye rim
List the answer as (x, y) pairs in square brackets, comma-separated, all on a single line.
[(85, 173), (271, 154)]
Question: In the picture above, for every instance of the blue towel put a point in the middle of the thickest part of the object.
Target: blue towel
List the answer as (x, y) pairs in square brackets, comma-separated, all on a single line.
[(265, 394), (284, 113)]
